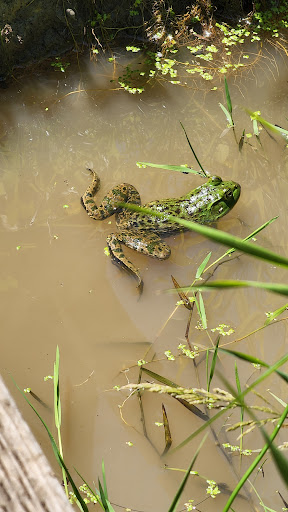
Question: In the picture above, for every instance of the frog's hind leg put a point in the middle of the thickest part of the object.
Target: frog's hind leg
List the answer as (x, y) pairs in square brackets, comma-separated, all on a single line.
[(141, 241), (124, 193)]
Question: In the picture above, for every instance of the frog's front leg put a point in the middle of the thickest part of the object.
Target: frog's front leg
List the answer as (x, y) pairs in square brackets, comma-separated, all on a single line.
[(141, 241), (124, 193)]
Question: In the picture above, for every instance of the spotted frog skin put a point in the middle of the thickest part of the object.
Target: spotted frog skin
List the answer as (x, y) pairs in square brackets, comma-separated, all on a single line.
[(142, 232)]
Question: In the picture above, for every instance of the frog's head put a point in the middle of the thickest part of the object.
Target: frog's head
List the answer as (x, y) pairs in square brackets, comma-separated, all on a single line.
[(225, 195)]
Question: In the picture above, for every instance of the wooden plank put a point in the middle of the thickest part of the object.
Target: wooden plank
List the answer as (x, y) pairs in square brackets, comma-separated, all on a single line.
[(27, 482)]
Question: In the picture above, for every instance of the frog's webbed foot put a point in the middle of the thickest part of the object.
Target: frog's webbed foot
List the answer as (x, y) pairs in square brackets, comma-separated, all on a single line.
[(119, 258), (141, 241)]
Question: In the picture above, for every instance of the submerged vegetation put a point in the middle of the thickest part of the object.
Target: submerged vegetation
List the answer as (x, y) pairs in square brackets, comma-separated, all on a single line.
[(195, 43)]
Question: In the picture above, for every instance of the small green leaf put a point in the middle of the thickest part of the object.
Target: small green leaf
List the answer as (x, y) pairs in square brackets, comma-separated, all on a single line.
[(275, 314), (228, 99), (213, 363), (228, 116), (202, 266)]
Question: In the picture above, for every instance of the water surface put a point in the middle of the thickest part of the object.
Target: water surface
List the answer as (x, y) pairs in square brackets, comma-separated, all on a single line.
[(59, 288)]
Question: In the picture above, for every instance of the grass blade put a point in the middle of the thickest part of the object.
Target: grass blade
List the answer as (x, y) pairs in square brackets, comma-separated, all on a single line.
[(201, 310), (281, 289), (256, 461), (253, 360), (168, 437), (167, 382), (202, 266), (269, 126), (227, 114), (57, 454), (260, 379), (275, 314), (213, 363), (173, 506), (239, 390), (180, 168), (241, 141), (104, 480), (57, 402), (214, 234), (190, 145), (183, 297), (228, 99)]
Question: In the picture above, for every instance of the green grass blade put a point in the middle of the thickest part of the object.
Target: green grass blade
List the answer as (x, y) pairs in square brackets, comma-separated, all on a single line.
[(281, 289), (214, 234), (57, 402), (239, 390), (201, 310), (180, 168), (160, 378), (213, 363), (254, 233), (174, 503), (227, 115), (260, 379), (167, 382), (228, 99), (269, 126), (104, 480), (253, 360), (167, 431), (57, 454), (280, 461), (275, 314), (256, 461), (190, 145), (102, 496), (241, 141), (202, 266)]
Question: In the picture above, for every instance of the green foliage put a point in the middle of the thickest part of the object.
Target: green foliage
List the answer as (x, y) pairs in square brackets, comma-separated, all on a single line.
[(220, 52), (59, 65)]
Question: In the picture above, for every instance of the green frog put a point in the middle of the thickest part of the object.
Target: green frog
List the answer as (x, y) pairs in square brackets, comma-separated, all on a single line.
[(142, 232)]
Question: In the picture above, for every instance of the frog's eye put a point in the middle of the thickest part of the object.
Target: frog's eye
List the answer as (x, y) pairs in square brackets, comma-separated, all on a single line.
[(216, 180)]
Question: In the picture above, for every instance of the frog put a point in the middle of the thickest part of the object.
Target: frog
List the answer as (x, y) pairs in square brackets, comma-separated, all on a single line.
[(144, 232)]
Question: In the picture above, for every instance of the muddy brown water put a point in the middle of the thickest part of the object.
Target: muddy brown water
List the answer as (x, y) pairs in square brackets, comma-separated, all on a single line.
[(59, 288)]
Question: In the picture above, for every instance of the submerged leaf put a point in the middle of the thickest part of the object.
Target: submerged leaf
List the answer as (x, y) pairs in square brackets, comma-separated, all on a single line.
[(182, 295), (168, 437)]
